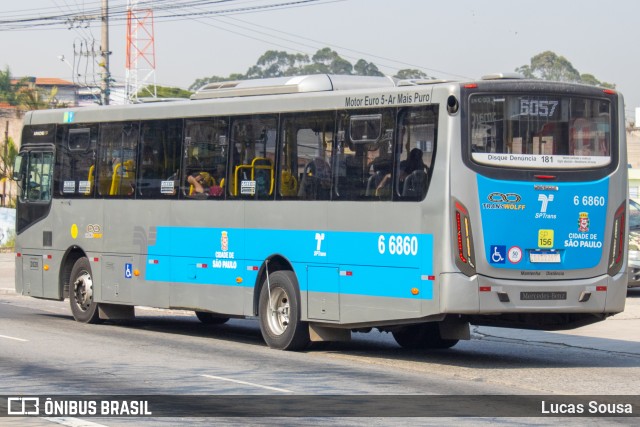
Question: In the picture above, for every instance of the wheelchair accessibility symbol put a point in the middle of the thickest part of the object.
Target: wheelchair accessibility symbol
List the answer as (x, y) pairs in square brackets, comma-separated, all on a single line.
[(498, 254), (128, 271)]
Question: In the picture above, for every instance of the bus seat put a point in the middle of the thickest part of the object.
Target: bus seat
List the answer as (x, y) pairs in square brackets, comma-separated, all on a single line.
[(288, 183), (91, 179), (128, 177), (262, 174), (372, 183), (115, 180), (415, 184), (241, 171)]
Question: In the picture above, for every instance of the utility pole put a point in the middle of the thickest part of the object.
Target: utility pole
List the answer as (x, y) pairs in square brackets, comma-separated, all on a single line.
[(104, 50)]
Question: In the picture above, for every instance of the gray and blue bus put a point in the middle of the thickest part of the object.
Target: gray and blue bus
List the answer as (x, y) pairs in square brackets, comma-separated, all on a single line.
[(323, 205)]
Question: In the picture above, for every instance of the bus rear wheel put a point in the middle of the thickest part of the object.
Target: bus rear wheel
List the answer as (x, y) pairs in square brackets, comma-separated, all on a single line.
[(210, 318), (279, 312), (83, 306), (422, 336)]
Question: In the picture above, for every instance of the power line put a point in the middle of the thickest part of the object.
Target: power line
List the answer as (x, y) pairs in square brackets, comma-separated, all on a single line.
[(119, 13)]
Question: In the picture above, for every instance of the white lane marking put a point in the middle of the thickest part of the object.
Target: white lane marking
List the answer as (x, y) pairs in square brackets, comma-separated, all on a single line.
[(247, 383), (13, 338), (72, 422)]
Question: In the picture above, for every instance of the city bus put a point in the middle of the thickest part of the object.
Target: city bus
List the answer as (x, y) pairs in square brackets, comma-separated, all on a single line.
[(325, 205)]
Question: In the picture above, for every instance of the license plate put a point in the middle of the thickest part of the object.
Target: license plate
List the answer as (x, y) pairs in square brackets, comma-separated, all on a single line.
[(542, 296), (544, 257)]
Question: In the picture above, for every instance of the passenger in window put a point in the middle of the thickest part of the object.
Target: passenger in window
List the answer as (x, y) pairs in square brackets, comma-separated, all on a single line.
[(415, 162), (200, 183), (316, 181), (384, 183), (415, 183), (217, 187)]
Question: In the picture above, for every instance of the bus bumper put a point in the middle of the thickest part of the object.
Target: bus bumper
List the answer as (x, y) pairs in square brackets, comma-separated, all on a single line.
[(479, 294)]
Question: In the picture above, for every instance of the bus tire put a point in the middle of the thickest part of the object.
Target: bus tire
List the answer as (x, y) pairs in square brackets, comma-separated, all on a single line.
[(81, 291), (279, 312), (422, 336), (210, 318)]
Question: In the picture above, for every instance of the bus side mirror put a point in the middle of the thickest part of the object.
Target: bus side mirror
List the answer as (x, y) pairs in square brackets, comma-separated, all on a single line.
[(17, 169)]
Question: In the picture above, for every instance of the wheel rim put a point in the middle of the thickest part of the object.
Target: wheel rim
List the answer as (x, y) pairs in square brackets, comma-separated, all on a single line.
[(83, 291), (279, 310)]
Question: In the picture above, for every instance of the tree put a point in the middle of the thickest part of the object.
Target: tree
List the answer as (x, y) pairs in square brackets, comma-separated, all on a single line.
[(167, 92), (213, 79), (328, 61), (274, 63), (364, 68), (550, 66), (277, 63), (10, 90), (30, 99), (410, 73), (7, 158)]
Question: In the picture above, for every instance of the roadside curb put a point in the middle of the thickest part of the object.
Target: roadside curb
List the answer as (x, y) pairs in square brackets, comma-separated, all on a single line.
[(7, 291)]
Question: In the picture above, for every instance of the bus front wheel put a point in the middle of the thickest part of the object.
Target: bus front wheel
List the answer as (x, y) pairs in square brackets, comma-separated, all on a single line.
[(422, 336), (81, 289), (279, 312)]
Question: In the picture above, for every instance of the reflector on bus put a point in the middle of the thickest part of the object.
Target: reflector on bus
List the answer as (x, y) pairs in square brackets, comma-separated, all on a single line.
[(465, 256), (616, 255)]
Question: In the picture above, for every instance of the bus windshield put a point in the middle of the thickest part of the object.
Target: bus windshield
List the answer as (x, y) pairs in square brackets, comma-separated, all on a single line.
[(540, 131)]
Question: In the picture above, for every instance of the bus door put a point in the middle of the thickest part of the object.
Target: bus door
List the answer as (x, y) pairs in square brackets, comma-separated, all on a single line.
[(34, 171)]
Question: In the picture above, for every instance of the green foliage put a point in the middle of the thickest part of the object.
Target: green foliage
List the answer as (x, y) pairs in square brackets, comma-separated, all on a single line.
[(10, 91), (22, 94), (8, 158), (274, 63), (550, 66), (167, 92), (410, 73)]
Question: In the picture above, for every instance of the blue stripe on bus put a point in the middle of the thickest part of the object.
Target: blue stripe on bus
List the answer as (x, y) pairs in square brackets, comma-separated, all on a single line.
[(373, 264)]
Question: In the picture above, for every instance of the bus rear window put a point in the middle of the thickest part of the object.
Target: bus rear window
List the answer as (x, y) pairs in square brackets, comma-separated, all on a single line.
[(539, 131)]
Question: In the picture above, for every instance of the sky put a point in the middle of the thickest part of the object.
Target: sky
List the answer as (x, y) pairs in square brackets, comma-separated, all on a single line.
[(446, 39)]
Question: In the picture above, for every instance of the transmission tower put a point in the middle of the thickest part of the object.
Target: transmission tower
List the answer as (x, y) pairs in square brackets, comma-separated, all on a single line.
[(141, 52)]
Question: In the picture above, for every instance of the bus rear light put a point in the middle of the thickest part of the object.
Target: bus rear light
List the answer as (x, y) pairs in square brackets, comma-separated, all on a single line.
[(616, 255), (471, 86), (18, 254), (609, 91), (485, 288), (601, 289), (545, 177), (464, 258)]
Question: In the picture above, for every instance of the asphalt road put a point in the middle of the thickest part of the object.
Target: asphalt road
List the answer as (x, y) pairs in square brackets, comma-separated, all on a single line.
[(43, 351)]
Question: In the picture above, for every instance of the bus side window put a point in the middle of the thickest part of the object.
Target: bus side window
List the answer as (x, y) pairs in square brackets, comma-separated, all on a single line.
[(417, 137), (205, 158), (159, 159), (76, 159), (117, 159), (253, 141), (305, 156), (364, 155)]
